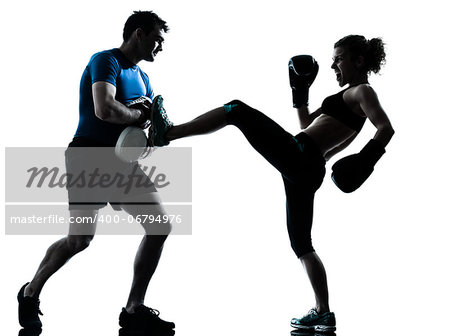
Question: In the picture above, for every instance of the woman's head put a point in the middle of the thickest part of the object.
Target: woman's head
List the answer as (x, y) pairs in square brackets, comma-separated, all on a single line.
[(355, 57), (370, 52)]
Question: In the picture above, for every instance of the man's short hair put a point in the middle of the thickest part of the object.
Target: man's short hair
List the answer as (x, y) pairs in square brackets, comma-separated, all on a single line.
[(146, 20)]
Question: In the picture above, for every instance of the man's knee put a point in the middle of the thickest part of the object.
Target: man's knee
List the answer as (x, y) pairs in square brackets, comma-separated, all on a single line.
[(78, 243), (161, 229), (150, 213)]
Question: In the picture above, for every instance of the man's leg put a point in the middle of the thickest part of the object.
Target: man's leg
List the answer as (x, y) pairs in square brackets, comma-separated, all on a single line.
[(136, 315), (149, 251), (80, 235), (79, 238)]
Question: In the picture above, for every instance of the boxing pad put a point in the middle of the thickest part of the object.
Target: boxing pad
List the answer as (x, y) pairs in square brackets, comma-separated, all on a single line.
[(132, 145), (303, 70), (144, 104), (352, 171)]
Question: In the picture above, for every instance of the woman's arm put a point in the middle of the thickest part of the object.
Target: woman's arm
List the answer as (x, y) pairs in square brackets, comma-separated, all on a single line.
[(305, 117), (350, 172), (371, 107)]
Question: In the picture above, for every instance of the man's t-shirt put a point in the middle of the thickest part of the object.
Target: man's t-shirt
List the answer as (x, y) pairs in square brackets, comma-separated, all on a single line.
[(130, 81)]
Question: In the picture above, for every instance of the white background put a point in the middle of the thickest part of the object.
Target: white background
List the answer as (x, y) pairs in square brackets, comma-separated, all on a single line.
[(385, 247)]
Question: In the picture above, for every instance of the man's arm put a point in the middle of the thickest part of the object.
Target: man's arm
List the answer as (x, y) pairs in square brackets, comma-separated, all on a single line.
[(107, 108)]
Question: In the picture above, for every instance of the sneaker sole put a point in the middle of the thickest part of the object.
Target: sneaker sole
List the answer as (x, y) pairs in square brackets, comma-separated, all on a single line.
[(302, 327), (318, 328), (30, 332), (297, 332), (156, 332), (324, 328)]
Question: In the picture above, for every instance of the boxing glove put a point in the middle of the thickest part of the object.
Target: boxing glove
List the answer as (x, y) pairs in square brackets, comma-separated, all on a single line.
[(303, 70), (350, 172)]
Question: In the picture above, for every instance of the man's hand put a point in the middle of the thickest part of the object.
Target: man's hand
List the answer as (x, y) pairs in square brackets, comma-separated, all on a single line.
[(144, 105)]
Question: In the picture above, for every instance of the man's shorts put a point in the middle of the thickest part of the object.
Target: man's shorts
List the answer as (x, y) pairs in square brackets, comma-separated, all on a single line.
[(97, 177)]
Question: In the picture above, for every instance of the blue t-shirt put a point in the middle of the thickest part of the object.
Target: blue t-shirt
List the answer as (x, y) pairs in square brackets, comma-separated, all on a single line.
[(130, 81)]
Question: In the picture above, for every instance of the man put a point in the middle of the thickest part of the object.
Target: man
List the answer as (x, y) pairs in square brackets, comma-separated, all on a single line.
[(111, 80)]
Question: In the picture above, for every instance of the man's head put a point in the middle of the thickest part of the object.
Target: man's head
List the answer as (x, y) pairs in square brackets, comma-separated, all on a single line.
[(145, 20), (143, 30)]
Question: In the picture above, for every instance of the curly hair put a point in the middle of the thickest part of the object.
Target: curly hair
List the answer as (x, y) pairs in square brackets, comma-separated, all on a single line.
[(371, 50), (146, 20)]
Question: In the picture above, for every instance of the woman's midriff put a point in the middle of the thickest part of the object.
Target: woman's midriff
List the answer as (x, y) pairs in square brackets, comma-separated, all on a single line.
[(328, 133)]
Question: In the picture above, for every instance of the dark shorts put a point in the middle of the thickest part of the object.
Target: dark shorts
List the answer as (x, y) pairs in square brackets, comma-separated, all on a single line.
[(97, 177)]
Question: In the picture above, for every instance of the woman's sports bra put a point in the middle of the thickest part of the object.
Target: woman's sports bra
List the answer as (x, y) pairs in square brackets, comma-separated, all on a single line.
[(335, 107)]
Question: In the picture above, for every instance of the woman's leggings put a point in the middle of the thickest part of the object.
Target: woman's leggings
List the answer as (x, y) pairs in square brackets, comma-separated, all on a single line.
[(299, 161)]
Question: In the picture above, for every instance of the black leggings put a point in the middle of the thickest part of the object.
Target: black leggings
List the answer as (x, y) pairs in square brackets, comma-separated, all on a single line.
[(297, 159)]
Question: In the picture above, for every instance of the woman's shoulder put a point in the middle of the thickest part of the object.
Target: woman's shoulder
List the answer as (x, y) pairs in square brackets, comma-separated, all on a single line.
[(361, 92)]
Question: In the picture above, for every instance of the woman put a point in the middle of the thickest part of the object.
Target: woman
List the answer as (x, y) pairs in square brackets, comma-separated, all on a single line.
[(301, 159)]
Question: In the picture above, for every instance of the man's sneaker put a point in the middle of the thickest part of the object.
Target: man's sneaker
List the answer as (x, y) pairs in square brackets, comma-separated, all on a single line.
[(143, 319), (160, 121), (126, 332), (30, 332), (28, 310), (325, 322)]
